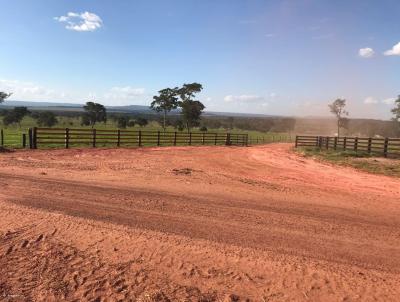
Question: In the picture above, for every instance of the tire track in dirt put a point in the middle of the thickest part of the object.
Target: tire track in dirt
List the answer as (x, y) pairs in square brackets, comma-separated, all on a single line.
[(296, 230)]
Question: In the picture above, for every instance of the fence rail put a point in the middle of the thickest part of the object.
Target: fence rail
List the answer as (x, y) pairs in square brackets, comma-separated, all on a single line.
[(384, 146), (66, 138)]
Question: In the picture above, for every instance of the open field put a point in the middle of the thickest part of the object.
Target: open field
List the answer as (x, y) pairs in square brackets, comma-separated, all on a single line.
[(13, 133), (195, 224), (359, 160)]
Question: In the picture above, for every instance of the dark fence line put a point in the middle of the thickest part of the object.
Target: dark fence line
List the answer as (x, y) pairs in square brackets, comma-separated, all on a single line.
[(66, 138), (385, 146)]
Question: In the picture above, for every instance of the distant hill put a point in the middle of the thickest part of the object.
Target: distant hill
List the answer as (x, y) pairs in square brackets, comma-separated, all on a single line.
[(50, 106)]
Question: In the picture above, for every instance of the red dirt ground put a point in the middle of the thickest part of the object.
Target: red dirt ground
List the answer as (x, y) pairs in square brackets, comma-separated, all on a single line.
[(195, 224)]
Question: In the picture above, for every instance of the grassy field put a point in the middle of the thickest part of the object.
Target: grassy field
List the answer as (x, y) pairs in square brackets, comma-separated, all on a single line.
[(359, 160), (13, 134)]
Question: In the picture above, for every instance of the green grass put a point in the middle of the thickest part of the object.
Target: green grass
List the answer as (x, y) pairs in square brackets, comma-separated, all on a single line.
[(13, 134), (359, 160)]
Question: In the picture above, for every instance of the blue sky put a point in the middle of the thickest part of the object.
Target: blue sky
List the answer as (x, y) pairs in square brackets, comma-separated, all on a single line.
[(272, 57)]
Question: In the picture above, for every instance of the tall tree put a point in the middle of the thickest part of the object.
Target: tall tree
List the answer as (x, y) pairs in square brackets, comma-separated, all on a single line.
[(4, 96), (94, 112), (396, 113), (166, 101), (191, 112), (191, 109), (338, 109)]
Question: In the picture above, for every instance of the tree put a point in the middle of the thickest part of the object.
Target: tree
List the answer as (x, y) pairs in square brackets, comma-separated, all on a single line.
[(191, 109), (131, 123), (166, 101), (179, 124), (45, 118), (396, 113), (15, 116), (191, 112), (337, 108), (141, 121), (94, 113), (122, 122), (4, 96), (203, 129)]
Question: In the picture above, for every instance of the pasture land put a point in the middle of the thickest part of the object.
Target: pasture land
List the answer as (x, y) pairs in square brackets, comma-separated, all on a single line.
[(13, 137), (195, 224), (359, 160)]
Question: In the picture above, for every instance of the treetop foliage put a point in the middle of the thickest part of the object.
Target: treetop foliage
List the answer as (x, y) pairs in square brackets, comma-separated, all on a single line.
[(94, 112), (4, 96)]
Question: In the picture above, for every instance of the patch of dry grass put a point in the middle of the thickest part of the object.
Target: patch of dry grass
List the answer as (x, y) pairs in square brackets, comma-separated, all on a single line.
[(359, 160)]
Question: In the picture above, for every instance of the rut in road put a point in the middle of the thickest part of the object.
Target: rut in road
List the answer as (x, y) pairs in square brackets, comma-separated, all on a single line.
[(319, 232)]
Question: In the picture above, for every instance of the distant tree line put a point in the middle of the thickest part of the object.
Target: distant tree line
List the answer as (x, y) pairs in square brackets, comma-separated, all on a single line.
[(179, 109)]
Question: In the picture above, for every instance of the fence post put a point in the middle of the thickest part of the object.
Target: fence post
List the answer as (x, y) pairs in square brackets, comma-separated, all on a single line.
[(66, 138), (202, 138), (190, 138), (1, 137), (23, 140), (215, 139), (335, 143), (175, 138), (296, 141), (30, 138), (158, 138), (327, 143), (34, 138), (344, 143), (385, 147), (228, 139), (355, 144), (94, 138), (369, 145), (247, 140), (140, 138), (118, 137)]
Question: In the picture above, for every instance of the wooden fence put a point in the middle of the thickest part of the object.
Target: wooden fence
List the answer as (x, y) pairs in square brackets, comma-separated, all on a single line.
[(66, 138), (13, 139), (384, 146)]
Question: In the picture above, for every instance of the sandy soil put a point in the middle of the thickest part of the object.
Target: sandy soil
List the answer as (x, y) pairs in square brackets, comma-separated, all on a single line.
[(195, 224)]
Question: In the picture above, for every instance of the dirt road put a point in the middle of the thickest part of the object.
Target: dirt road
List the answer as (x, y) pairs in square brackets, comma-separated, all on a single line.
[(195, 224)]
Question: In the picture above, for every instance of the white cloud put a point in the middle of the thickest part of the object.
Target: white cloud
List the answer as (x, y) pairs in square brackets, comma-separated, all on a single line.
[(124, 93), (81, 21), (27, 91), (395, 51), (270, 35), (389, 101), (366, 52), (243, 98), (371, 100), (272, 95)]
